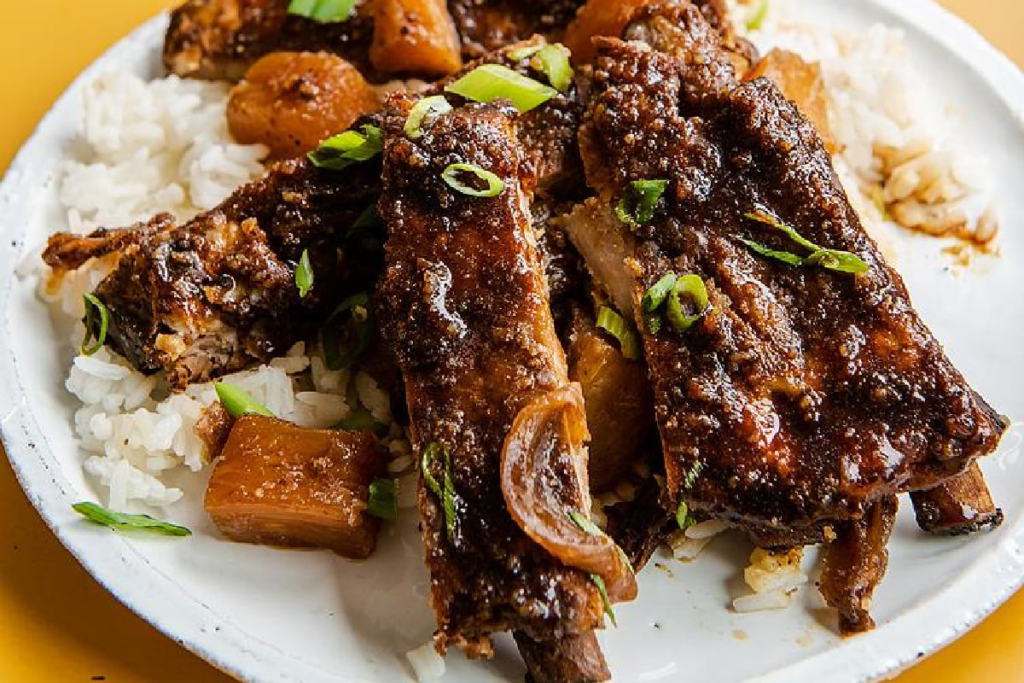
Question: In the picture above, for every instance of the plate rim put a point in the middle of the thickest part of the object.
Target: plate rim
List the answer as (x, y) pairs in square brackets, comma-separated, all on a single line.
[(987, 583)]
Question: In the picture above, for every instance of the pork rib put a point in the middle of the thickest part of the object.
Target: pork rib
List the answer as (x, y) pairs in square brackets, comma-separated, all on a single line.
[(465, 307), (217, 294), (804, 396), (962, 505)]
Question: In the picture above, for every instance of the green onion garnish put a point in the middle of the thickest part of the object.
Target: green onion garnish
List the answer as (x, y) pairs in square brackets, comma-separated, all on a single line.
[(524, 52), (656, 295), (427, 107), (120, 520), (367, 232), (94, 307), (489, 82), (839, 261), (369, 219), (361, 421), (614, 324), (553, 62), (691, 287), (830, 259), (599, 582), (304, 274), (323, 11), (383, 502), (449, 496), (641, 199), (758, 19), (786, 257), (585, 523), (763, 215), (347, 332), (238, 401), (653, 299), (691, 476), (495, 185), (351, 147), (669, 292), (430, 454), (445, 493), (683, 517)]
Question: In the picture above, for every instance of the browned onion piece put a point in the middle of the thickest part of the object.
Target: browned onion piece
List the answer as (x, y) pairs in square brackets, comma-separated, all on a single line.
[(543, 450)]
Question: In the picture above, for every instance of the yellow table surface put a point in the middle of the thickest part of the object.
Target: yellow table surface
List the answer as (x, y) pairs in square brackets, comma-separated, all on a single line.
[(56, 623)]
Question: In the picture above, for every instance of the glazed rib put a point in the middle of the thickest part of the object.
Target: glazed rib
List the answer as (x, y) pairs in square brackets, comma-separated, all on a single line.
[(217, 294), (804, 396), (962, 505), (464, 305), (855, 562)]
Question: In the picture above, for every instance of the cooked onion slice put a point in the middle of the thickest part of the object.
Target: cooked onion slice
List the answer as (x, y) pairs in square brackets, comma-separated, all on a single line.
[(544, 450)]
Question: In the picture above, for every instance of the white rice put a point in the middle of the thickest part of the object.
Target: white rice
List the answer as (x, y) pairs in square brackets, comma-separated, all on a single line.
[(164, 146), (902, 153), (687, 544), (150, 147), (426, 663), (774, 577)]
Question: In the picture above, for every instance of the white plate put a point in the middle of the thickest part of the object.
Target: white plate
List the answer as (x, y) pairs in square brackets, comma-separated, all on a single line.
[(270, 615)]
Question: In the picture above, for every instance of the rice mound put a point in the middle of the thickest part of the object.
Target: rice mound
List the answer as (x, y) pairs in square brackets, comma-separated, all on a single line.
[(901, 155), (152, 147)]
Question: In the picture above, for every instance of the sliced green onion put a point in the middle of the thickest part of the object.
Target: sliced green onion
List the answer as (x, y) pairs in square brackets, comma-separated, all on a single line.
[(691, 476), (238, 401), (430, 454), (445, 493), (449, 496), (653, 300), (490, 82), (553, 62), (304, 274), (758, 19), (367, 231), (427, 107), (683, 517), (347, 332), (766, 217), (830, 259), (361, 421), (351, 147), (524, 52), (369, 219), (495, 185), (93, 308), (599, 582), (839, 261), (585, 523), (614, 324), (786, 257), (656, 295), (120, 520), (691, 287), (323, 11), (641, 199), (383, 502)]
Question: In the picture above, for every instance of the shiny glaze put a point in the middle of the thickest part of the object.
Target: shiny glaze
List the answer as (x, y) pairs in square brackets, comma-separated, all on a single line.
[(217, 294), (465, 307), (805, 394)]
